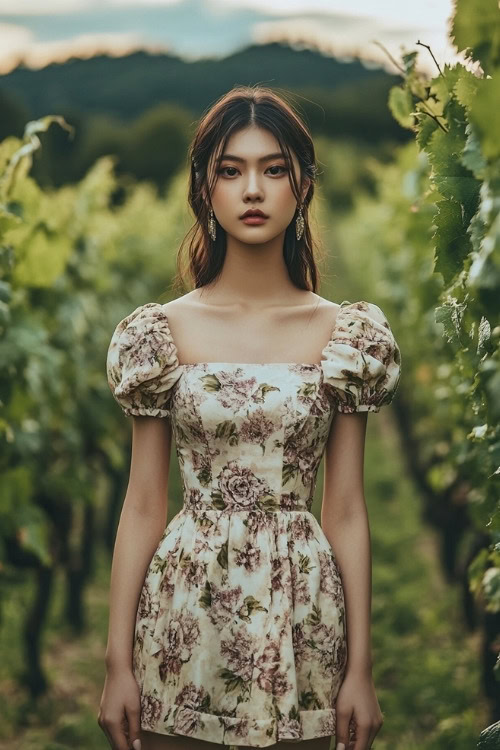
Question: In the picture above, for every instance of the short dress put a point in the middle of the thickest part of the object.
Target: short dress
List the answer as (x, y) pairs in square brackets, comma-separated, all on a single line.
[(240, 634)]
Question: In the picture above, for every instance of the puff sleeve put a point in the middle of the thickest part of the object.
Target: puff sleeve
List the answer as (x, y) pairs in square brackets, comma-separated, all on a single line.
[(362, 360), (142, 364)]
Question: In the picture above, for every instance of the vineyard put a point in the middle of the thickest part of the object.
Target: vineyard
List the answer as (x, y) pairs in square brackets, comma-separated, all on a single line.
[(76, 259)]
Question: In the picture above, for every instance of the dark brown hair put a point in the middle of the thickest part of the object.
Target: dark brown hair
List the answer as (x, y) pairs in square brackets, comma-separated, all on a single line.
[(239, 108)]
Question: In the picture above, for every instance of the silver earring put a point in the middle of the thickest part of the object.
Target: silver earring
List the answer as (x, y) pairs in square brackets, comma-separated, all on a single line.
[(299, 224), (212, 230)]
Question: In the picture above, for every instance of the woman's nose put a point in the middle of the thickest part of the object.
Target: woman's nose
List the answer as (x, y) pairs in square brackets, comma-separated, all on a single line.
[(252, 187)]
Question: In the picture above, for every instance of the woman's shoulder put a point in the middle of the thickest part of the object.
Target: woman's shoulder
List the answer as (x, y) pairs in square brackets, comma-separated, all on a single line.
[(142, 363), (362, 360), (326, 303), (184, 300)]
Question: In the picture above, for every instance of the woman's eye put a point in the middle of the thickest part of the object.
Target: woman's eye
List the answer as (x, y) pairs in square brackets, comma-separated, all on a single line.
[(278, 166), (224, 168)]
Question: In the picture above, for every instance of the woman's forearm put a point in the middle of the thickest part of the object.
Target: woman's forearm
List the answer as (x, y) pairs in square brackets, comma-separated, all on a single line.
[(351, 544), (137, 538)]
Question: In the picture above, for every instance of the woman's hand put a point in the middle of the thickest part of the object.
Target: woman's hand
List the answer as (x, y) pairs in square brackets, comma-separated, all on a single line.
[(357, 703), (120, 710)]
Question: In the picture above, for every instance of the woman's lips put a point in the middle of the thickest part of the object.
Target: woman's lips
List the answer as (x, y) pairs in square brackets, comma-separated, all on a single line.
[(254, 219)]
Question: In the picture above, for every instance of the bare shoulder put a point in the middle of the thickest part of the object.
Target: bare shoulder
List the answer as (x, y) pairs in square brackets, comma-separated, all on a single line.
[(179, 301), (188, 301), (326, 304), (327, 310)]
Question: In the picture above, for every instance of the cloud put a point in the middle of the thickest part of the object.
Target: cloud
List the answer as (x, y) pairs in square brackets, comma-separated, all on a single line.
[(40, 31), (408, 15), (14, 37), (422, 13), (45, 8), (18, 44), (343, 37)]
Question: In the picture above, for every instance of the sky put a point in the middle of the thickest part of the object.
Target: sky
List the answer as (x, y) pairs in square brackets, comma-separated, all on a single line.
[(41, 31)]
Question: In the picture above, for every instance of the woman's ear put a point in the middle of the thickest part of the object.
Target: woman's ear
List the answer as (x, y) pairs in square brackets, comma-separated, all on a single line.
[(305, 187)]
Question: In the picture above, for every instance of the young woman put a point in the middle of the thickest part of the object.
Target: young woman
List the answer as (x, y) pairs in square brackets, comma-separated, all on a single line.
[(245, 622)]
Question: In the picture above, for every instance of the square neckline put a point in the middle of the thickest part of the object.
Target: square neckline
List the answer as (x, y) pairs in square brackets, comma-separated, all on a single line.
[(262, 364), (252, 364)]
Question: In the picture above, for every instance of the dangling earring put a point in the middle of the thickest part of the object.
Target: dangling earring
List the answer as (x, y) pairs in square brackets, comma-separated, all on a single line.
[(212, 230), (299, 224)]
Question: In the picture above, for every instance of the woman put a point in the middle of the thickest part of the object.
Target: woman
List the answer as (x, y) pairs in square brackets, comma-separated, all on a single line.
[(244, 622)]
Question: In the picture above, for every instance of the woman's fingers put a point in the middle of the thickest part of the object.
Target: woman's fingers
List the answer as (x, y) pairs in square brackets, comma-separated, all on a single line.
[(342, 728), (116, 731), (365, 735), (134, 722)]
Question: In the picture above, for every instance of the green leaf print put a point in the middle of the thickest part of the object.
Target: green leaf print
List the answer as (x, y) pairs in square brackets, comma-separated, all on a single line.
[(217, 501), (314, 617), (304, 564), (249, 606), (222, 556), (205, 598), (227, 431)]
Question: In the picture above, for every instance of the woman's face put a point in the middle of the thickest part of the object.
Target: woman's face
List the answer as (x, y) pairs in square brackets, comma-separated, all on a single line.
[(249, 176)]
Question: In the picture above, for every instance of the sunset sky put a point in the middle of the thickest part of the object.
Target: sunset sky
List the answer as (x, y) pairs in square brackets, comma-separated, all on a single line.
[(40, 31)]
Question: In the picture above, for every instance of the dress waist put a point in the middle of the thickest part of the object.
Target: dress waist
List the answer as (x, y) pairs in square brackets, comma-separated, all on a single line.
[(201, 508)]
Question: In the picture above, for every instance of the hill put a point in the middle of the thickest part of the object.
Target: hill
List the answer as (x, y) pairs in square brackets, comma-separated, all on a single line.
[(125, 87)]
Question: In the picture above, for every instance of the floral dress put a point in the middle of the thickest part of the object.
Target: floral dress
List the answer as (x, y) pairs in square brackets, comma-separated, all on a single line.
[(240, 634)]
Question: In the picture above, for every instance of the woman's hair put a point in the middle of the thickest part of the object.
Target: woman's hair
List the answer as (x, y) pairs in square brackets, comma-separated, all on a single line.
[(240, 108)]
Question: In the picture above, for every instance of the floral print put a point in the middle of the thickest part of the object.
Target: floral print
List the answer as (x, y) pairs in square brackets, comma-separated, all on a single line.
[(240, 635)]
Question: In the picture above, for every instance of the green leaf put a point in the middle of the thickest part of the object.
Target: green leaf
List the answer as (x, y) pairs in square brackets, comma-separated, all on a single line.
[(472, 156), (452, 242), (450, 315), (426, 127), (485, 116), (442, 86), (466, 86), (400, 103), (44, 258), (475, 29)]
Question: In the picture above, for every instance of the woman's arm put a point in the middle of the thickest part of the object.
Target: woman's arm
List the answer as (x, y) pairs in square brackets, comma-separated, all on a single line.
[(344, 520), (142, 523)]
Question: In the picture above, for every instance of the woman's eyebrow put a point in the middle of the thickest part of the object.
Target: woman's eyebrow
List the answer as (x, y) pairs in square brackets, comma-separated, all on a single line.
[(276, 155)]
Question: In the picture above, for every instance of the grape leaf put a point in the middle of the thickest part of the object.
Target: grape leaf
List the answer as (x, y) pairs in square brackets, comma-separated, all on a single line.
[(452, 243), (475, 29)]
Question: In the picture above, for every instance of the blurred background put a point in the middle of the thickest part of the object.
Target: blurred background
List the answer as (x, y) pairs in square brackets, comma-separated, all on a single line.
[(98, 104)]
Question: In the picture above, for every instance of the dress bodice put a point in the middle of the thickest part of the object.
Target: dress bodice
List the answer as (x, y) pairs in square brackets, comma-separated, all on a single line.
[(251, 436)]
